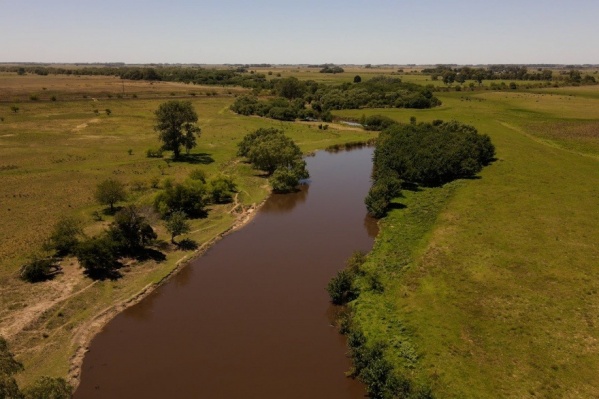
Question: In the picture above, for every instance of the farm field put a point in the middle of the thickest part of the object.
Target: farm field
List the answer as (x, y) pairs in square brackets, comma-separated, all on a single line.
[(491, 284), (53, 154)]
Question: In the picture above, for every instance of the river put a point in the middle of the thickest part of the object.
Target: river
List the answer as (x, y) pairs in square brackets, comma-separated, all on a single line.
[(250, 318)]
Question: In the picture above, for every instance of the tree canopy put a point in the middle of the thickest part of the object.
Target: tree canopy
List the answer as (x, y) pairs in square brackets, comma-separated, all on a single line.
[(276, 154), (427, 154), (109, 192), (176, 126)]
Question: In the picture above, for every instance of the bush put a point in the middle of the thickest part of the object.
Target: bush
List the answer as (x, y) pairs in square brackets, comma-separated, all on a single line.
[(378, 122), (341, 288), (190, 198), (49, 388), (65, 236), (98, 256), (154, 153), (38, 269), (130, 232), (222, 190), (198, 174)]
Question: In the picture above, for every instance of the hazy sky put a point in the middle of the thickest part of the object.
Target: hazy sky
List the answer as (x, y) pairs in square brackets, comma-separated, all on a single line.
[(301, 31)]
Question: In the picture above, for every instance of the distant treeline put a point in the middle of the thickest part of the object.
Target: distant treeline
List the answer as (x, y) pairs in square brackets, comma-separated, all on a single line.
[(195, 75), (312, 100), (505, 72)]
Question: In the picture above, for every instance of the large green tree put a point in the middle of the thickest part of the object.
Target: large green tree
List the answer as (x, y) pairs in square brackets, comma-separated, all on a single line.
[(176, 126)]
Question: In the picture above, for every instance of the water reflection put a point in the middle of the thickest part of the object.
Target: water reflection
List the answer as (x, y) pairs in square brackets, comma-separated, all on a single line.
[(372, 226), (284, 203)]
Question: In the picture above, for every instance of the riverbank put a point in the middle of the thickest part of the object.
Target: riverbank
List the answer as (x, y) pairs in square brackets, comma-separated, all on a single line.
[(88, 331)]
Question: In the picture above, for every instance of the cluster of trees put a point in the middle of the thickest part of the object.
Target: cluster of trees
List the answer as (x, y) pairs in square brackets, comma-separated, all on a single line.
[(426, 154), (269, 150), (310, 100), (330, 68), (42, 388), (450, 75)]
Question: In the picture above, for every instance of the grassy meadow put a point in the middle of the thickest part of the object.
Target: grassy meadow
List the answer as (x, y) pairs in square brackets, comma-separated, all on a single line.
[(491, 284), (52, 156)]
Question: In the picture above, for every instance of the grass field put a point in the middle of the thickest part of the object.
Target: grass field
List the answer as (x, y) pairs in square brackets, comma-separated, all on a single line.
[(52, 155), (491, 285)]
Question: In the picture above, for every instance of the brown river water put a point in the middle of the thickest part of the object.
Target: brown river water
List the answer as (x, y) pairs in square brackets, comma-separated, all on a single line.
[(250, 318)]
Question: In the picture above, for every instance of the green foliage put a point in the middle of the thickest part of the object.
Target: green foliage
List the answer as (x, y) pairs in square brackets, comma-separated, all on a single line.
[(198, 174), (276, 154), (341, 288), (99, 257), (357, 79), (189, 197), (38, 269), (154, 153), (8, 364), (378, 122), (291, 88), (176, 126), (331, 69), (49, 388), (109, 192), (385, 187), (9, 388), (108, 111), (222, 189), (65, 236), (130, 232), (177, 224), (286, 179), (432, 154)]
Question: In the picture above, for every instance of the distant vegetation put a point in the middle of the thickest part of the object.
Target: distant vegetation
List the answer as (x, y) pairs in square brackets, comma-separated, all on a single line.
[(310, 100)]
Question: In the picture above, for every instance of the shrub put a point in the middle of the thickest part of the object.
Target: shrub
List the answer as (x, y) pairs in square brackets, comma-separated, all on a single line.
[(65, 236), (190, 198), (154, 153), (38, 269), (378, 122), (49, 388), (198, 174), (98, 256), (341, 288), (222, 190)]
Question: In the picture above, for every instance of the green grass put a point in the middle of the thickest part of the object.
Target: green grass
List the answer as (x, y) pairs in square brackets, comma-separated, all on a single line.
[(493, 282), (53, 156)]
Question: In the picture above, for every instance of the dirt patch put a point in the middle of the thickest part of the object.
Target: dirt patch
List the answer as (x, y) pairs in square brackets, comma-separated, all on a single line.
[(84, 125)]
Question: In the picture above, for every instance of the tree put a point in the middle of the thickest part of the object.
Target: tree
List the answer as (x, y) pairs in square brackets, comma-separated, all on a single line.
[(274, 152), (291, 88), (14, 108), (65, 236), (98, 256), (8, 366), (357, 79), (189, 197), (177, 224), (130, 231), (176, 126), (109, 192)]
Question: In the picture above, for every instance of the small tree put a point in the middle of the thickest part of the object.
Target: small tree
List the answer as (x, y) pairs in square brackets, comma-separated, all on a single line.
[(65, 236), (176, 126), (177, 224), (38, 269), (109, 192), (98, 257), (357, 79), (14, 108), (108, 111), (130, 232)]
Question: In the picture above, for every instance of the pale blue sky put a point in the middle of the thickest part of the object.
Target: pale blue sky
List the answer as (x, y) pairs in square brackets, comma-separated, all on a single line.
[(301, 31)]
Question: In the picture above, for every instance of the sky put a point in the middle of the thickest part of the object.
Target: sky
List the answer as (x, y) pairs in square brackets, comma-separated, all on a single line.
[(301, 31)]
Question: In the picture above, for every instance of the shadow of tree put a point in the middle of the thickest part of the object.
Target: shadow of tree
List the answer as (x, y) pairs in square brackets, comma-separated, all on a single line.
[(200, 158), (187, 245)]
